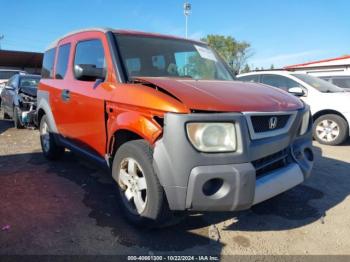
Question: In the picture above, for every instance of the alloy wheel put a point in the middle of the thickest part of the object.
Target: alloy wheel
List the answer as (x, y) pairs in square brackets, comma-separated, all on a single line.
[(45, 137), (133, 186), (327, 130)]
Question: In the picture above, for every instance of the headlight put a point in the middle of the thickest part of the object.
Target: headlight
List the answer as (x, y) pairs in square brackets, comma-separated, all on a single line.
[(305, 123), (212, 137)]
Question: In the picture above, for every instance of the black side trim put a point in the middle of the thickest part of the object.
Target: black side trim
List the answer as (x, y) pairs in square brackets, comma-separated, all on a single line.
[(82, 152)]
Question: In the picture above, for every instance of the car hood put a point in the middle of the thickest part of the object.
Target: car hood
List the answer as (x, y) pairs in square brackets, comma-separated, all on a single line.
[(30, 91), (228, 96)]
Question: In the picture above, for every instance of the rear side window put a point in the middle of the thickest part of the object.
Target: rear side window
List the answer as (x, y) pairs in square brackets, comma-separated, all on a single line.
[(49, 58), (62, 61), (250, 78), (90, 54), (342, 82)]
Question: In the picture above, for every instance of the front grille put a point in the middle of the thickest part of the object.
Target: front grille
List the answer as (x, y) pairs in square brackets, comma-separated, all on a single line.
[(261, 123), (272, 162)]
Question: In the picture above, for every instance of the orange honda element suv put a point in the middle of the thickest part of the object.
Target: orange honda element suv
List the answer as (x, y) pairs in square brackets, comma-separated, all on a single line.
[(167, 118)]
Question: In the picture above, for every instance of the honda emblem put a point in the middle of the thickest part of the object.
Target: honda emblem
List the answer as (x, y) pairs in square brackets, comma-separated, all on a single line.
[(273, 122)]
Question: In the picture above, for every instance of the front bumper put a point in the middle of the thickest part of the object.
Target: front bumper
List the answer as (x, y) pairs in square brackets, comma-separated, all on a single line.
[(185, 173)]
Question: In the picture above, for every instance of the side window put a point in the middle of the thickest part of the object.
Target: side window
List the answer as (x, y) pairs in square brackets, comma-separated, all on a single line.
[(250, 78), (62, 61), (47, 68), (281, 82), (89, 55), (342, 82), (327, 79)]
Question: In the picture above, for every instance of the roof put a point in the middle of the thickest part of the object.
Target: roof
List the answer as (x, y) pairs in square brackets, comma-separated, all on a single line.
[(325, 62), (99, 29), (20, 59), (11, 70), (29, 75), (119, 31), (277, 72)]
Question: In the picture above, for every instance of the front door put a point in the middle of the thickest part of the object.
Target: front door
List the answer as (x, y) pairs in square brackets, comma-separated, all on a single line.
[(85, 117)]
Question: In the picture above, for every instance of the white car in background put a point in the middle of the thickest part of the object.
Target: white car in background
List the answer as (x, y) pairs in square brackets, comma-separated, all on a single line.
[(330, 105)]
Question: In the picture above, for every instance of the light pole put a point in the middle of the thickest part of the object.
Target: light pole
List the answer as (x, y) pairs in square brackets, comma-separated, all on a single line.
[(187, 11), (1, 37)]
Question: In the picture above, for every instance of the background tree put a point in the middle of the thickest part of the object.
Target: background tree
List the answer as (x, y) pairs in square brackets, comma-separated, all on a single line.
[(234, 52), (246, 69)]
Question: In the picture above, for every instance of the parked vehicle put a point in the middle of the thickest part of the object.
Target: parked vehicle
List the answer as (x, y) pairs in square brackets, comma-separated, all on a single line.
[(19, 99), (342, 81), (329, 104), (5, 75), (171, 124)]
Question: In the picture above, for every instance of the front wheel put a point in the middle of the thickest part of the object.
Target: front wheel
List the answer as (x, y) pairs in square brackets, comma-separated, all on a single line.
[(5, 116), (330, 130), (50, 148), (17, 118), (141, 196)]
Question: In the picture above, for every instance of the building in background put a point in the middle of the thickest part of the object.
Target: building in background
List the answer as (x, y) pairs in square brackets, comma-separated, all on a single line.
[(339, 66), (27, 61)]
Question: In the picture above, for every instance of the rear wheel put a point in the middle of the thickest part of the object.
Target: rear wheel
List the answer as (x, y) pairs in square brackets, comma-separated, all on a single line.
[(49, 145), (330, 130), (140, 193)]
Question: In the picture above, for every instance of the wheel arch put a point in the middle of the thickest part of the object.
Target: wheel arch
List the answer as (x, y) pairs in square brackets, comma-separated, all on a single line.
[(44, 108), (40, 114), (327, 112), (130, 126)]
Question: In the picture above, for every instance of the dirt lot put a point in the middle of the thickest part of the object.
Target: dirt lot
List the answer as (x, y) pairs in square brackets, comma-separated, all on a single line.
[(68, 207)]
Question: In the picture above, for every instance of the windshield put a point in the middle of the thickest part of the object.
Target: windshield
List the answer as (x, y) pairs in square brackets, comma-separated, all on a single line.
[(319, 84), (31, 82), (161, 57)]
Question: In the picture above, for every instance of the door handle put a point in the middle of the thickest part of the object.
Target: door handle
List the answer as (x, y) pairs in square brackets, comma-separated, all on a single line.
[(65, 95)]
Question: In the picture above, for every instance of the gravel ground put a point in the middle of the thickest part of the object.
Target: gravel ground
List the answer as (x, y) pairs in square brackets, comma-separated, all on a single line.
[(68, 207)]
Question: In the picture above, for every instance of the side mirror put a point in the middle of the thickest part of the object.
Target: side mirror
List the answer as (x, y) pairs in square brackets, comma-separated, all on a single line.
[(87, 72), (297, 91)]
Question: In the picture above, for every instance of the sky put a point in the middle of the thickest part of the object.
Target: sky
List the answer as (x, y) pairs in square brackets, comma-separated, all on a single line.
[(281, 32)]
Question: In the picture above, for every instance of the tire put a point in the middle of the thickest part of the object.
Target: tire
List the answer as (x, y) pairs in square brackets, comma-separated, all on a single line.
[(16, 118), (49, 146), (330, 130), (5, 116), (136, 157)]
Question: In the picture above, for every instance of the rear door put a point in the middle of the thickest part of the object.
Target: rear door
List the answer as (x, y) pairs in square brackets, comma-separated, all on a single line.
[(60, 102)]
